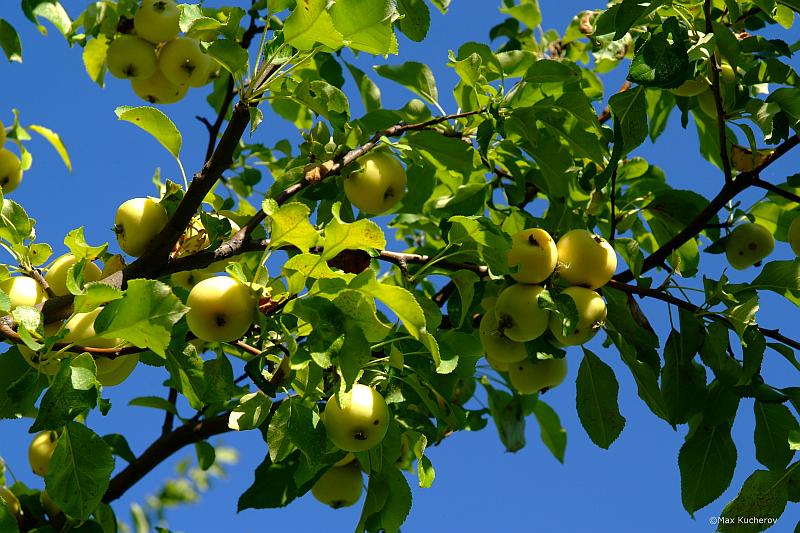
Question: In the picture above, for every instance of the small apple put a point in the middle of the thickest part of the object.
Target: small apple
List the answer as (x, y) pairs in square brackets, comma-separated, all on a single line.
[(137, 222), (182, 61), (10, 170), (81, 332), (340, 486), (11, 502), (794, 235), (534, 251), (23, 290), (378, 185), (41, 451), (691, 87), (362, 424), (157, 89), (57, 273), (129, 57), (540, 375), (498, 346), (591, 316), (518, 313), (157, 20), (585, 259), (111, 372), (221, 309), (748, 244)]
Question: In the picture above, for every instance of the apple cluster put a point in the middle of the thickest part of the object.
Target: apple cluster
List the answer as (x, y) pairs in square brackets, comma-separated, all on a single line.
[(10, 165), (160, 63), (582, 259)]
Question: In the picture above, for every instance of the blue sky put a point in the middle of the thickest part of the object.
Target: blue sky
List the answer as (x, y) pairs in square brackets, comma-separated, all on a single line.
[(634, 486)]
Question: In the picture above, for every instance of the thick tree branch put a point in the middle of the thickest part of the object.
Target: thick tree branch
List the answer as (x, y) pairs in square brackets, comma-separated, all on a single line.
[(789, 195)]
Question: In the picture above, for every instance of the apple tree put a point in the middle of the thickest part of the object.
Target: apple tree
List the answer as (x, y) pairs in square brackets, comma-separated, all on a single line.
[(531, 226)]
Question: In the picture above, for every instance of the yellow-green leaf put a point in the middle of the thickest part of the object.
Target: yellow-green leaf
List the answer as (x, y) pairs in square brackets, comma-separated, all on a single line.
[(155, 123), (54, 139)]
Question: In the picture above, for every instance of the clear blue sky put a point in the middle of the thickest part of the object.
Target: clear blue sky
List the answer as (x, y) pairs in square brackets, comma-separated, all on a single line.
[(634, 486)]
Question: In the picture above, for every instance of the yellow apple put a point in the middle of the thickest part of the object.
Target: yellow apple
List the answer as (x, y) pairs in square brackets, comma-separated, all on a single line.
[(748, 244), (11, 502), (10, 170), (591, 316), (41, 450), (794, 235), (23, 290), (221, 309), (378, 185), (111, 372), (540, 375), (498, 346), (535, 254), (57, 274), (137, 222), (189, 278), (182, 61), (81, 331), (340, 486), (518, 313), (157, 20), (362, 424), (585, 259), (157, 89), (132, 58)]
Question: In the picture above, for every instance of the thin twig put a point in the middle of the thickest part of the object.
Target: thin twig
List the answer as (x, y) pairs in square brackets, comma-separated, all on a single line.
[(715, 90), (169, 417)]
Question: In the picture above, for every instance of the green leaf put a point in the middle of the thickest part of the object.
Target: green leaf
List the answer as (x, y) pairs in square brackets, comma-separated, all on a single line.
[(483, 239), (399, 300), (54, 139), (553, 435), (416, 19), (20, 385), (631, 11), (774, 423), (290, 225), (682, 382), (185, 368), (310, 24), (8, 522), (416, 77), (155, 123), (50, 10), (508, 416), (446, 153), (94, 59), (94, 295), (119, 446), (251, 412), (368, 89), (388, 501), (660, 62), (551, 71), (79, 471), (294, 424), (74, 390), (360, 235), (781, 277), (425, 470), (324, 99), (78, 246), (274, 484), (629, 108), (15, 226), (9, 42), (527, 12), (229, 54), (596, 400), (366, 25), (154, 402), (764, 495), (706, 462)]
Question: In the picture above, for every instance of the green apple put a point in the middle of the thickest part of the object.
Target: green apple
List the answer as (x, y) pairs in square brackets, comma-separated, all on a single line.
[(209, 72), (41, 451), (360, 425), (496, 345), (157, 20), (748, 244), (129, 57), (10, 171), (114, 371), (378, 185), (220, 309), (541, 375), (535, 254), (585, 259), (340, 486), (346, 460), (57, 273), (137, 223), (183, 62), (591, 316), (727, 88), (80, 331), (518, 312), (691, 87), (2, 134), (11, 502), (157, 89), (794, 235), (497, 365), (23, 290)]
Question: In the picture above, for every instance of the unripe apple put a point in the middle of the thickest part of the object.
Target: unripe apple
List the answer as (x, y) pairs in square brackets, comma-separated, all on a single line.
[(41, 451), (157, 89), (540, 375), (362, 424), (221, 309), (585, 259), (23, 290), (691, 87), (10, 170), (340, 486), (794, 235), (137, 222), (11, 502), (497, 365), (378, 185), (518, 313), (498, 346), (57, 274), (182, 61), (111, 372), (81, 331), (535, 254), (129, 57), (591, 316), (157, 20), (748, 244)]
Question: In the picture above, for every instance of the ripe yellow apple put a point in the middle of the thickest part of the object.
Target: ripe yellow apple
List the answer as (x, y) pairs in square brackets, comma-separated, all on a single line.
[(157, 20), (11, 502), (340, 486), (535, 254), (111, 372), (81, 331), (182, 61), (378, 185), (794, 235), (23, 290), (41, 450), (498, 346), (518, 312), (497, 365), (130, 57), (691, 87), (540, 375), (591, 316), (137, 222), (362, 424), (189, 278), (10, 170), (57, 274), (157, 89), (585, 259), (748, 244), (221, 309)]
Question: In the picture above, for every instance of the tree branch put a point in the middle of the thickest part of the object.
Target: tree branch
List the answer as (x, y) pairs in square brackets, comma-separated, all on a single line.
[(792, 197), (169, 417), (715, 90), (605, 114)]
